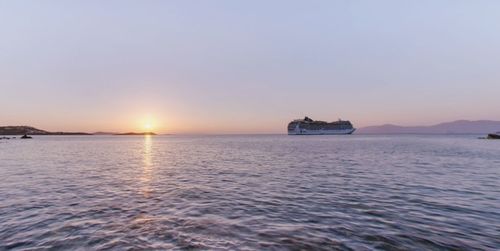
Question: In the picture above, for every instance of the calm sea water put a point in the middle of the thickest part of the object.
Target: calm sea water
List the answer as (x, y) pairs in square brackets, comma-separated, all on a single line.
[(250, 192)]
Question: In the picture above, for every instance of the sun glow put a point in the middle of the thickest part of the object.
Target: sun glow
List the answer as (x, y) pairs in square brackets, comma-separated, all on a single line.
[(147, 124)]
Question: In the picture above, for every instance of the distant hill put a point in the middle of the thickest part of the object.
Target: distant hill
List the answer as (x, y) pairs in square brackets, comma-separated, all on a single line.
[(20, 130), (455, 127)]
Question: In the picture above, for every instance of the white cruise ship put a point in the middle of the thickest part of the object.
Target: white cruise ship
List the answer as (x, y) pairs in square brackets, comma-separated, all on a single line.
[(308, 126)]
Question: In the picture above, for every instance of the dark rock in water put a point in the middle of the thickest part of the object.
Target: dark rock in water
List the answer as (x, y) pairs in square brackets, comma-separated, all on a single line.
[(26, 137), (493, 136)]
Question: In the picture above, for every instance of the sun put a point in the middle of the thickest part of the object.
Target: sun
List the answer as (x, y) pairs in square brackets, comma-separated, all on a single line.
[(147, 123)]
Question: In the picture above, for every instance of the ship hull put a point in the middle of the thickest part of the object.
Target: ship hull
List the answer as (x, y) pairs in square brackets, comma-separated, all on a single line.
[(321, 132)]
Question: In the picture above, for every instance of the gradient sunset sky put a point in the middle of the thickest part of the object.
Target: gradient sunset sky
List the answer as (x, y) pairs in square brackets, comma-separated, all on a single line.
[(246, 66)]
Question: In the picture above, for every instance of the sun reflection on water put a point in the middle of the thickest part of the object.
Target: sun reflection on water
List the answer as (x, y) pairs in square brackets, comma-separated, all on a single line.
[(147, 166)]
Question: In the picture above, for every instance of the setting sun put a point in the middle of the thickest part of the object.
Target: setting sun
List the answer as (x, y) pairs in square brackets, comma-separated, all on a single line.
[(147, 123)]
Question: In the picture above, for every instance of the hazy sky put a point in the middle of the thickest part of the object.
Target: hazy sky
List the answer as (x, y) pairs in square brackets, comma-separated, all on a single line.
[(246, 66)]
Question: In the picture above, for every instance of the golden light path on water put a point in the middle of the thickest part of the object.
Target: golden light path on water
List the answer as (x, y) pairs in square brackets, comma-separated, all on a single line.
[(147, 165)]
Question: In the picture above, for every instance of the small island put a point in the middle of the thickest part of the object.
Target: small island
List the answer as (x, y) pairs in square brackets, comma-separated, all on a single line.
[(29, 130), (135, 133)]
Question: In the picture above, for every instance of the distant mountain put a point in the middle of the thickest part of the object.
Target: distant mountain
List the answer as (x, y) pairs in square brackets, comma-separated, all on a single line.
[(20, 130), (455, 127)]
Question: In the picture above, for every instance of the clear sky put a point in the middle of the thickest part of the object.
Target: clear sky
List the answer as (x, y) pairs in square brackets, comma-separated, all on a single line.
[(246, 66)]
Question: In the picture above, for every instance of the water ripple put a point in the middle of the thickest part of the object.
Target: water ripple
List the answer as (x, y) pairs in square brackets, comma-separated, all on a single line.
[(250, 193)]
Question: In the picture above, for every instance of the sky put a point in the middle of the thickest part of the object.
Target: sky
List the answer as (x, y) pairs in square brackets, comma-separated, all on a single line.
[(246, 66)]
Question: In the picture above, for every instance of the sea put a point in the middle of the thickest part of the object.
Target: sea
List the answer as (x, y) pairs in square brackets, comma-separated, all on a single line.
[(250, 192)]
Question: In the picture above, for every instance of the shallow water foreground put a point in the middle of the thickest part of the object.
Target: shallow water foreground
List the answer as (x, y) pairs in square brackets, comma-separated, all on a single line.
[(250, 192)]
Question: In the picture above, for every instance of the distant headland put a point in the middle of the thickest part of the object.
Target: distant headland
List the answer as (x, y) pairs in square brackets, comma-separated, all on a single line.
[(21, 130), (29, 130)]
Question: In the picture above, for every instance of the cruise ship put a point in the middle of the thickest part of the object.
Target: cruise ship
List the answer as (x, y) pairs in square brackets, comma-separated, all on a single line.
[(308, 126)]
